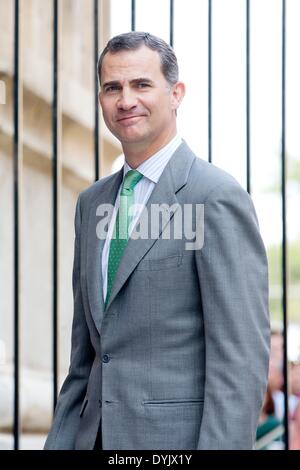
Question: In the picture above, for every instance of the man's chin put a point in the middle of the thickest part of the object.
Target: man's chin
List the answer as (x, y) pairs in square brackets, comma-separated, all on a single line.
[(131, 137)]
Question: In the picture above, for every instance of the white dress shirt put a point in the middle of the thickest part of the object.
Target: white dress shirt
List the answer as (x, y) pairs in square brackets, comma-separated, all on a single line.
[(151, 170)]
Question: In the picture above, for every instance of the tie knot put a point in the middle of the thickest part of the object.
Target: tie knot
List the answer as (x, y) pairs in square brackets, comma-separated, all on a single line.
[(132, 177)]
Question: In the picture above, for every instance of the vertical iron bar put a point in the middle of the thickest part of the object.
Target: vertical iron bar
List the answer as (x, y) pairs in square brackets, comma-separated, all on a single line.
[(248, 169), (16, 199), (209, 81), (96, 52), (132, 15), (284, 229), (55, 172), (171, 23)]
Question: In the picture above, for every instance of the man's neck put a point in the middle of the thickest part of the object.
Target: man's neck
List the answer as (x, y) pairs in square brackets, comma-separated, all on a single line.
[(135, 155)]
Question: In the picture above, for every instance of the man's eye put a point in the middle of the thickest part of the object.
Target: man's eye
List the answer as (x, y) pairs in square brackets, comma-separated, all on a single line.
[(143, 85), (112, 88)]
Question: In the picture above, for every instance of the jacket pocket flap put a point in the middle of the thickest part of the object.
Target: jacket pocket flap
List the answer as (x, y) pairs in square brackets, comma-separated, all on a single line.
[(160, 264), (174, 402)]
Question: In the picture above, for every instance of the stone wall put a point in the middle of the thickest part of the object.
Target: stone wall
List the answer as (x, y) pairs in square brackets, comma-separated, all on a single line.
[(77, 172)]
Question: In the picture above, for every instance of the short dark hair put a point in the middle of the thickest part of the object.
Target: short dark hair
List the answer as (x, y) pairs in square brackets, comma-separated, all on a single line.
[(134, 40)]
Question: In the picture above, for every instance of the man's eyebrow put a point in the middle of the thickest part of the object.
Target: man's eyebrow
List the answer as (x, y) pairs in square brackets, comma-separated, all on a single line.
[(133, 81), (141, 79), (112, 83)]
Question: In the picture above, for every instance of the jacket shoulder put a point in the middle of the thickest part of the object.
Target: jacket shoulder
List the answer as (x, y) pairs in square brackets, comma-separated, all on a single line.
[(206, 179)]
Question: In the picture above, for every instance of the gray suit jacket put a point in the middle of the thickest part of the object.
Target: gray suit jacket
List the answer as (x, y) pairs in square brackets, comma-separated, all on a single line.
[(179, 358)]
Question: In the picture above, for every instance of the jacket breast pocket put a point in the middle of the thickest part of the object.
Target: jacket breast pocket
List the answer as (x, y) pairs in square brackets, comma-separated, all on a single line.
[(160, 264)]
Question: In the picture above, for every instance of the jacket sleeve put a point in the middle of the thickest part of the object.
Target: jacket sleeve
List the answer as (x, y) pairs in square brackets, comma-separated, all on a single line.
[(66, 418), (233, 279)]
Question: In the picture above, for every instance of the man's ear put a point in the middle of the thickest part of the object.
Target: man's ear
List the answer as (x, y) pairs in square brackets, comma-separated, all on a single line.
[(178, 92)]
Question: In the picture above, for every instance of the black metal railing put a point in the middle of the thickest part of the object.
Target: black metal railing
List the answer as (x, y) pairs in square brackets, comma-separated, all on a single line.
[(210, 81), (55, 194), (133, 15), (248, 149), (16, 202), (171, 40), (56, 168), (284, 232), (96, 127)]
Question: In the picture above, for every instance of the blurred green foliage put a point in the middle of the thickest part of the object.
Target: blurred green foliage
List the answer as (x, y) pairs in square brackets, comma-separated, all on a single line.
[(275, 273)]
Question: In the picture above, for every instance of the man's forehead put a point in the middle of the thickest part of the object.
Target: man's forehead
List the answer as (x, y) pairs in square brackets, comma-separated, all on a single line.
[(135, 61)]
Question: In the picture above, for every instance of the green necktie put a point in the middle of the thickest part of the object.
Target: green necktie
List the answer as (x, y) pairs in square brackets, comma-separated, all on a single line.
[(120, 234)]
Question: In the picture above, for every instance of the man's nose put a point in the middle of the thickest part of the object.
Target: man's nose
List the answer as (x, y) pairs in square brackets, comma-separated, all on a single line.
[(127, 99)]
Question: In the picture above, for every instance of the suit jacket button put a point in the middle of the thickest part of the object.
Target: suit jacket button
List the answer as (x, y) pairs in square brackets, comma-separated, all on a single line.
[(105, 358)]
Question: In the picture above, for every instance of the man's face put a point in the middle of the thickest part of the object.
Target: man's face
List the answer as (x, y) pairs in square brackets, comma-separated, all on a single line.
[(138, 104)]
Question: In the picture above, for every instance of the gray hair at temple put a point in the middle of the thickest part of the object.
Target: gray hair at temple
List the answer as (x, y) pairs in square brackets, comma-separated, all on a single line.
[(135, 39)]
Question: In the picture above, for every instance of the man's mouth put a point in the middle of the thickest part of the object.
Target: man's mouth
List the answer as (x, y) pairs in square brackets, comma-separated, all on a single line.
[(129, 118)]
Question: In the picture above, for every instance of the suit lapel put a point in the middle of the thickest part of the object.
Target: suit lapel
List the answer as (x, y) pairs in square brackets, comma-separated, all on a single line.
[(107, 195), (173, 178)]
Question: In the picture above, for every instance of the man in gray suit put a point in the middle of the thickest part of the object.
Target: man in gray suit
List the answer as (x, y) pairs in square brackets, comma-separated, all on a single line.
[(170, 336)]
